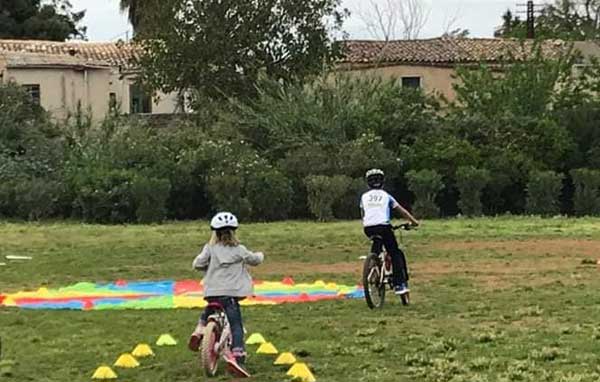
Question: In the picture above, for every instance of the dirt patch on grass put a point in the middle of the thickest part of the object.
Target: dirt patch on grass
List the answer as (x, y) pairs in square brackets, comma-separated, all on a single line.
[(496, 274), (295, 268), (525, 247), (531, 262)]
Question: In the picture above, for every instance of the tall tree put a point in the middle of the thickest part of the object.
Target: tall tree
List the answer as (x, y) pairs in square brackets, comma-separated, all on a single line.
[(573, 20), (392, 19), (134, 12), (220, 48), (130, 6), (35, 19)]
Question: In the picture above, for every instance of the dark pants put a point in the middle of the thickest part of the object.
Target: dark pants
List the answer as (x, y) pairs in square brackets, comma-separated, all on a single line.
[(233, 312), (388, 240)]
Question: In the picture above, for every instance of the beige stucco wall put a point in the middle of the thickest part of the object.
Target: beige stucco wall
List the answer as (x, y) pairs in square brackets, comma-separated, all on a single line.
[(433, 79), (165, 103), (61, 89)]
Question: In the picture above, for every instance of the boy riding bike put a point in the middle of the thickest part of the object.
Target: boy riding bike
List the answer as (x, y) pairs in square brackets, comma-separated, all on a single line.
[(376, 209), (226, 282)]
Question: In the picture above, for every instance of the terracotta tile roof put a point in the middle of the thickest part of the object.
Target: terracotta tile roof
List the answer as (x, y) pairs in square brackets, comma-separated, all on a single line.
[(437, 51), (441, 51), (109, 54)]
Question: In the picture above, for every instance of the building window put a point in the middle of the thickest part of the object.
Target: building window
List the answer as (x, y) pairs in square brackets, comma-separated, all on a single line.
[(141, 102), (411, 82), (112, 101), (34, 93)]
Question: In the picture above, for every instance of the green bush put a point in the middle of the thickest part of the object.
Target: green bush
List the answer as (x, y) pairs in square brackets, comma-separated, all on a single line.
[(425, 184), (21, 120), (347, 207), (8, 205), (38, 198), (470, 181), (441, 152), (311, 159), (104, 196), (332, 111), (543, 193), (308, 160), (586, 200), (188, 198), (150, 195), (226, 193), (269, 193), (367, 150), (323, 191)]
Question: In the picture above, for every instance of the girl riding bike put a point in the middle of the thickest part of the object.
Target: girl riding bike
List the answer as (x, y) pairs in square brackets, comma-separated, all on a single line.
[(226, 282), (376, 209)]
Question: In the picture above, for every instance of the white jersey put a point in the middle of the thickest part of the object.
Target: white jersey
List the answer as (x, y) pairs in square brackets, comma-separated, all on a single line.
[(377, 206)]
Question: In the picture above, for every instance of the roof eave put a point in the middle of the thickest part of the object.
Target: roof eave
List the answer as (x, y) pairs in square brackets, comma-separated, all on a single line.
[(347, 65), (57, 66)]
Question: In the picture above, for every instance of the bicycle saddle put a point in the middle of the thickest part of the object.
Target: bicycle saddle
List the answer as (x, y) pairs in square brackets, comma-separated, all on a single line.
[(215, 306)]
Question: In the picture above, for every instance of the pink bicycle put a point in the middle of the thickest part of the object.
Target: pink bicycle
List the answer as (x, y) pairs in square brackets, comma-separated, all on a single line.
[(216, 341)]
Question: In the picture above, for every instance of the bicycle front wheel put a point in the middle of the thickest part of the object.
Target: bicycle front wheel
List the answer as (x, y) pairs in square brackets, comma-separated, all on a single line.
[(209, 356), (374, 288)]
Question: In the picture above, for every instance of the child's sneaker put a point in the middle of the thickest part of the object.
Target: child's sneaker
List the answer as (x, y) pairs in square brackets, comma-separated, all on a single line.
[(235, 366), (196, 338), (194, 342), (401, 289)]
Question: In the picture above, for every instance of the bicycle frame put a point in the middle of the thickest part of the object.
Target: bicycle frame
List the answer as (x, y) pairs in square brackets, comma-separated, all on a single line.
[(385, 267), (385, 271), (377, 283)]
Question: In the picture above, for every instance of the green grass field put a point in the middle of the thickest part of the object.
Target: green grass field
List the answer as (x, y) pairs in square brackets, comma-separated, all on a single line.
[(505, 299)]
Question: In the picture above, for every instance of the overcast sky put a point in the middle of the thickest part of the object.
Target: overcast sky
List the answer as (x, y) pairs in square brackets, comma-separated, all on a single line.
[(106, 23)]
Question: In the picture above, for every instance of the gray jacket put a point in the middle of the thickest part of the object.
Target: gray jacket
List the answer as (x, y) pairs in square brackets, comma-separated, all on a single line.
[(226, 273)]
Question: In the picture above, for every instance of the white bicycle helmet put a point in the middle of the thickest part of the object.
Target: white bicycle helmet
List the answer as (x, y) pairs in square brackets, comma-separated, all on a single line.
[(375, 178), (224, 220)]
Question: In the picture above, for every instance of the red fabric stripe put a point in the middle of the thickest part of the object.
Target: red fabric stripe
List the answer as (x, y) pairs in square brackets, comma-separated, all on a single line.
[(186, 286), (84, 299)]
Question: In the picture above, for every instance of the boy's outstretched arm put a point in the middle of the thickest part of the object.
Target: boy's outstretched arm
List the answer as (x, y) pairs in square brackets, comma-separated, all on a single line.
[(407, 215)]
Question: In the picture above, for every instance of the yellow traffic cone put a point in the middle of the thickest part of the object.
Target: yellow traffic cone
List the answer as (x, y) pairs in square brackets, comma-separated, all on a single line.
[(302, 372), (255, 339), (104, 372), (166, 340), (142, 350), (285, 359), (267, 348), (127, 361)]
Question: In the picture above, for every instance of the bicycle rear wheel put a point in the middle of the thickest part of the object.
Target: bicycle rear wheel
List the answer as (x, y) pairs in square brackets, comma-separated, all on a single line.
[(209, 356), (374, 288)]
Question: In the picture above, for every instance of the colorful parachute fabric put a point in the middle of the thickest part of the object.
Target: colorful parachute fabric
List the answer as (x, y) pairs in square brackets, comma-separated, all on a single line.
[(169, 295)]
